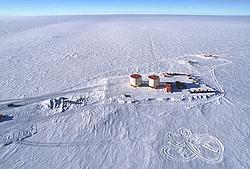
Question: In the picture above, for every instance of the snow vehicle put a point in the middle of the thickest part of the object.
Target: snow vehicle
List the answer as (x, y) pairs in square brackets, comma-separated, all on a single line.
[(1, 116)]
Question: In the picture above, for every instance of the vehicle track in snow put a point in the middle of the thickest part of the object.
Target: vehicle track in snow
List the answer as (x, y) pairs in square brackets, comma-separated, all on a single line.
[(217, 83), (222, 92), (152, 48), (11, 150), (36, 120)]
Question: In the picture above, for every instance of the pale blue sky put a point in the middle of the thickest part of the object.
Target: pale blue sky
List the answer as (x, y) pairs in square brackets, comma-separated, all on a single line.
[(65, 7)]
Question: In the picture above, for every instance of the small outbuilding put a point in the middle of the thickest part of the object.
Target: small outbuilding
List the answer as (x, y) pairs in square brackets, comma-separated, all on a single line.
[(135, 80), (153, 81), (168, 87)]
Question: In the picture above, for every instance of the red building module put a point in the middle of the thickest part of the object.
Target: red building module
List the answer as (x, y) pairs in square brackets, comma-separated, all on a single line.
[(168, 87)]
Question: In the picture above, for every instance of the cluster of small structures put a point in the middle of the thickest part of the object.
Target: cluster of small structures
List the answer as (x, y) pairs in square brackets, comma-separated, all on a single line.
[(174, 74), (201, 91), (168, 87), (154, 82), (209, 55), (180, 74)]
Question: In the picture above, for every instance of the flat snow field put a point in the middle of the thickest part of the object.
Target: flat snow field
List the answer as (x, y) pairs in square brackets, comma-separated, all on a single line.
[(67, 103)]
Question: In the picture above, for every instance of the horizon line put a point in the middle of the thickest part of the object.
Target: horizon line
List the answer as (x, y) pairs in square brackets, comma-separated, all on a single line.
[(125, 13)]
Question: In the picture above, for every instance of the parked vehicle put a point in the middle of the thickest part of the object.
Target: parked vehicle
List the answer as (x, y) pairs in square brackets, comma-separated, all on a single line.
[(1, 116)]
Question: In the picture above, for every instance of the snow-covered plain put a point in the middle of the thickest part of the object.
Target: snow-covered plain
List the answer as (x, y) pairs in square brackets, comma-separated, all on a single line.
[(67, 102)]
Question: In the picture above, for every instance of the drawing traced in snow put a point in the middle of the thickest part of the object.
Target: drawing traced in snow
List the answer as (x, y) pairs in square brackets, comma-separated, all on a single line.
[(185, 146)]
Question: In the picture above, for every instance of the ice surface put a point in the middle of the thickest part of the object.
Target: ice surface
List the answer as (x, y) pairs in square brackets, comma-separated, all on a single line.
[(64, 80)]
